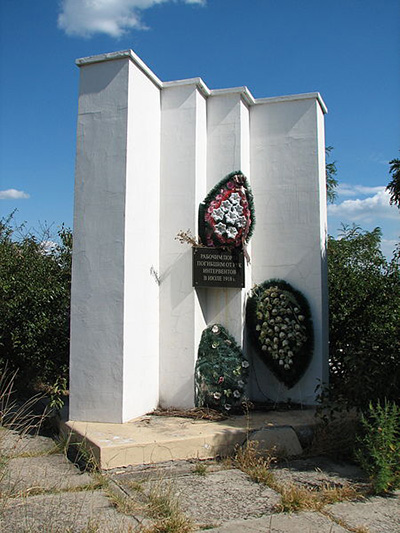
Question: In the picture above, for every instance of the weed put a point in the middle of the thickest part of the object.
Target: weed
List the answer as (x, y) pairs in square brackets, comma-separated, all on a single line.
[(295, 498), (378, 449), (163, 506), (254, 464), (200, 469)]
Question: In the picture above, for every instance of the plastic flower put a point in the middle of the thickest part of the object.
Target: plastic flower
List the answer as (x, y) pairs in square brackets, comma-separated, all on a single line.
[(218, 214), (245, 364), (240, 383), (231, 231), (220, 228), (215, 329), (221, 380), (217, 395), (236, 394), (228, 406), (231, 217), (235, 198)]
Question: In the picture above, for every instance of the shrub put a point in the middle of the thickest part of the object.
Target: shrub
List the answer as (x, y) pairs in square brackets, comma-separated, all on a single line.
[(378, 449), (35, 277), (364, 330)]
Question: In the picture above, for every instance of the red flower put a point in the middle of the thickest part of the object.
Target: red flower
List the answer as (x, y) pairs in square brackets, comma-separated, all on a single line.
[(221, 380)]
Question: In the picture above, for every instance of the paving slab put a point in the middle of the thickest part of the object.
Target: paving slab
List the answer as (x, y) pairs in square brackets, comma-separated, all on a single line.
[(317, 472), (13, 444), (306, 522), (152, 439), (208, 499), (44, 473), (64, 513), (378, 514)]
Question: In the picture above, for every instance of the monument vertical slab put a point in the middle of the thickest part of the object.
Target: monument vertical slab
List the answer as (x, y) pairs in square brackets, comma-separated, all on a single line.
[(114, 315), (288, 179)]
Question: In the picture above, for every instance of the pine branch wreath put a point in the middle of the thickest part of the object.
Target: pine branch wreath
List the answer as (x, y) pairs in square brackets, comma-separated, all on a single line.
[(221, 371), (279, 321)]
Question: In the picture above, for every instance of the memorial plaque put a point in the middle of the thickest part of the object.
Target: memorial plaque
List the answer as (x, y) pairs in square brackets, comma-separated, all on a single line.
[(217, 267)]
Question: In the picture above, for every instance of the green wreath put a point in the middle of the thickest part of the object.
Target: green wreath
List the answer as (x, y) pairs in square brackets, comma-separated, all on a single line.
[(280, 325), (221, 371)]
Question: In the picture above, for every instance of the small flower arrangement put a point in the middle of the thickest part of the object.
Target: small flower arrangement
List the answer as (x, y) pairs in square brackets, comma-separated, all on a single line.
[(279, 321), (226, 217), (221, 371)]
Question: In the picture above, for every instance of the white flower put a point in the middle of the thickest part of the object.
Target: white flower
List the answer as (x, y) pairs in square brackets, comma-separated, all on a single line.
[(215, 329), (231, 217), (231, 232), (226, 205), (240, 383), (241, 222), (227, 406), (245, 364), (237, 208), (220, 228), (217, 395), (236, 394), (264, 348), (235, 198), (214, 345), (217, 214), (281, 362)]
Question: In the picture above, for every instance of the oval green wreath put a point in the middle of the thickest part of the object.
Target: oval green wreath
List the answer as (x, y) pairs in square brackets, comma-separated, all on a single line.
[(279, 322), (221, 371)]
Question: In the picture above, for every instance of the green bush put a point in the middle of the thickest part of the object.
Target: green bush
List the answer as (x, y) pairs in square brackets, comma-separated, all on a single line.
[(364, 330), (35, 278), (378, 449)]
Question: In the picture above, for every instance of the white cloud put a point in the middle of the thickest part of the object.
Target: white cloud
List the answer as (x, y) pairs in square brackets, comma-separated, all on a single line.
[(345, 189), (113, 17), (13, 194), (367, 209)]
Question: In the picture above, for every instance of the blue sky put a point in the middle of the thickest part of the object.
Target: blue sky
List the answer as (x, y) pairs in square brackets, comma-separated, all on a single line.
[(348, 50)]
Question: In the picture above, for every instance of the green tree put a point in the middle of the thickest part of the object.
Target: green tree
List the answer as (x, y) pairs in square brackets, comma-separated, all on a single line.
[(394, 184), (364, 306), (331, 181), (35, 279)]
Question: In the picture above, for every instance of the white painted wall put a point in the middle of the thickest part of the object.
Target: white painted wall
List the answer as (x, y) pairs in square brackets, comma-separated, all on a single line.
[(288, 179), (183, 186), (147, 154), (114, 323), (228, 149), (142, 236)]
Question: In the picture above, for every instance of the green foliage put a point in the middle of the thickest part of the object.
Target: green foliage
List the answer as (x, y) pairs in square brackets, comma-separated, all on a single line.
[(35, 281), (279, 321), (221, 371), (378, 449), (394, 184), (364, 306), (331, 181)]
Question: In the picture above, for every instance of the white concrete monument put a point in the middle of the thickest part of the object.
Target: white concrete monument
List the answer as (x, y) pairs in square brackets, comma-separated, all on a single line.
[(147, 154)]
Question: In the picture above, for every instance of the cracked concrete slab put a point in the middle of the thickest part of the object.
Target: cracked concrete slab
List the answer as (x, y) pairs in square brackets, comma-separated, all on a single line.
[(13, 444), (306, 522), (72, 512), (44, 473), (377, 514)]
